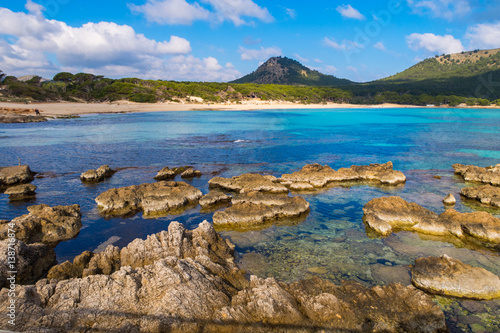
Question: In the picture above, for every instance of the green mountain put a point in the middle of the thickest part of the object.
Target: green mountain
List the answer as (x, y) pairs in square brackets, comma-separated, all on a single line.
[(286, 71)]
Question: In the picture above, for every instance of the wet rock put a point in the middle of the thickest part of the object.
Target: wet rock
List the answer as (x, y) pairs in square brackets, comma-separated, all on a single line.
[(98, 175), (165, 174), (317, 270), (191, 173), (45, 224), (21, 192), (391, 274), (486, 194), (15, 175), (254, 208), (30, 262), (153, 199), (248, 182), (313, 176), (449, 200), (447, 276), (384, 215), (13, 118), (488, 175), (214, 198)]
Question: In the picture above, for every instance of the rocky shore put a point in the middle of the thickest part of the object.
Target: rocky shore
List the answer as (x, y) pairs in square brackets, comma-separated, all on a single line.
[(97, 175), (16, 115), (488, 175), (486, 194), (15, 175)]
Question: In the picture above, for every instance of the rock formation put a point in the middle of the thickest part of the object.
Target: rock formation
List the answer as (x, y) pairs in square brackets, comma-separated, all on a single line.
[(486, 194), (13, 118), (15, 175), (384, 215), (45, 224), (248, 182), (447, 276), (191, 173), (21, 192), (488, 175), (214, 198), (98, 175), (153, 199), (450, 200), (314, 176)]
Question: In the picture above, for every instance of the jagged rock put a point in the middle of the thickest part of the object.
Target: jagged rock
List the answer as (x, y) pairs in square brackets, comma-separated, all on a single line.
[(45, 224), (21, 192), (384, 215), (486, 194), (488, 175), (248, 182), (313, 176), (447, 276), (98, 175), (191, 173), (15, 175), (449, 200), (254, 208), (214, 198), (165, 174), (30, 262), (153, 199)]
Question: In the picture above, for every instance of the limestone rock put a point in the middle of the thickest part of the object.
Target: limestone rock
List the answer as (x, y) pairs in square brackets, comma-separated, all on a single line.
[(488, 175), (165, 174), (153, 199), (248, 182), (314, 176), (191, 173), (98, 175), (21, 192), (13, 118), (214, 198), (45, 224), (15, 175), (447, 276), (449, 200), (486, 194)]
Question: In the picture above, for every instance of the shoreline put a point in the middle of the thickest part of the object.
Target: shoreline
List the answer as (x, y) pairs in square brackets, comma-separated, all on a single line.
[(53, 109)]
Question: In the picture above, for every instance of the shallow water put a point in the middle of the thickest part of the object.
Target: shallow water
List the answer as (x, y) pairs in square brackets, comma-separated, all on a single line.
[(331, 242)]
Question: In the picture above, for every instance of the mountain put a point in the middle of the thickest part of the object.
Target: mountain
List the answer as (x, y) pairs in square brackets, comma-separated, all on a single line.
[(286, 71)]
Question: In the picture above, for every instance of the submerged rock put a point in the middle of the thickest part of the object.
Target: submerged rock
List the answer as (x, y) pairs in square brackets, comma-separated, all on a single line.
[(488, 175), (15, 175), (98, 175), (387, 214), (191, 173), (248, 182), (449, 200), (214, 198), (153, 199), (45, 224), (447, 276), (21, 192), (486, 194), (313, 176), (254, 208)]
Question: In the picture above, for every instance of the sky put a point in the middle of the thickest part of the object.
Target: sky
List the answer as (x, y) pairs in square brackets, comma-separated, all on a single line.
[(221, 40)]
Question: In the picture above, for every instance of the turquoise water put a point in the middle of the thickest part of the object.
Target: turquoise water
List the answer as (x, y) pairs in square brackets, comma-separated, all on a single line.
[(331, 242)]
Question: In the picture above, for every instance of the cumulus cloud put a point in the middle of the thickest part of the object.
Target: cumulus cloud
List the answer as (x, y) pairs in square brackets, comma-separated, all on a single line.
[(380, 46), (350, 12), (34, 8), (447, 9), (259, 54), (183, 12), (434, 43), (484, 36)]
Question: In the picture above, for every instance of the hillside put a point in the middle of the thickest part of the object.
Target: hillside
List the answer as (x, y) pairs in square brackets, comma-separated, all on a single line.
[(282, 70)]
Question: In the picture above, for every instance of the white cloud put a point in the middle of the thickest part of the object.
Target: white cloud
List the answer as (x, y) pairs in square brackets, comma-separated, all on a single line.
[(346, 44), (259, 54), (434, 43), (34, 8), (448, 9), (292, 13), (484, 36), (353, 69), (183, 12), (329, 69), (380, 46), (318, 61), (350, 12), (299, 58)]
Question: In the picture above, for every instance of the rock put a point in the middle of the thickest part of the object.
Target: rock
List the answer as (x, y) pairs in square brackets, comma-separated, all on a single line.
[(15, 175), (486, 194), (165, 174), (98, 175), (248, 182), (447, 276), (384, 215), (317, 270), (12, 118), (214, 198), (488, 175), (449, 200), (21, 192), (30, 262), (160, 198), (255, 208), (45, 224), (191, 173), (313, 176)]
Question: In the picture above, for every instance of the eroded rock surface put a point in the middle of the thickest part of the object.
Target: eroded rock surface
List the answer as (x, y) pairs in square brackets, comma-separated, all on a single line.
[(447, 276), (388, 214), (191, 173), (45, 224), (13, 118), (486, 194), (21, 192), (15, 175), (248, 182), (449, 200), (98, 175), (214, 198), (488, 175), (314, 176), (153, 199)]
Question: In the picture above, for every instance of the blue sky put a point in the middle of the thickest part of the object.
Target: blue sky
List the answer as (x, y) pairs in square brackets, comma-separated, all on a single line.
[(220, 40)]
